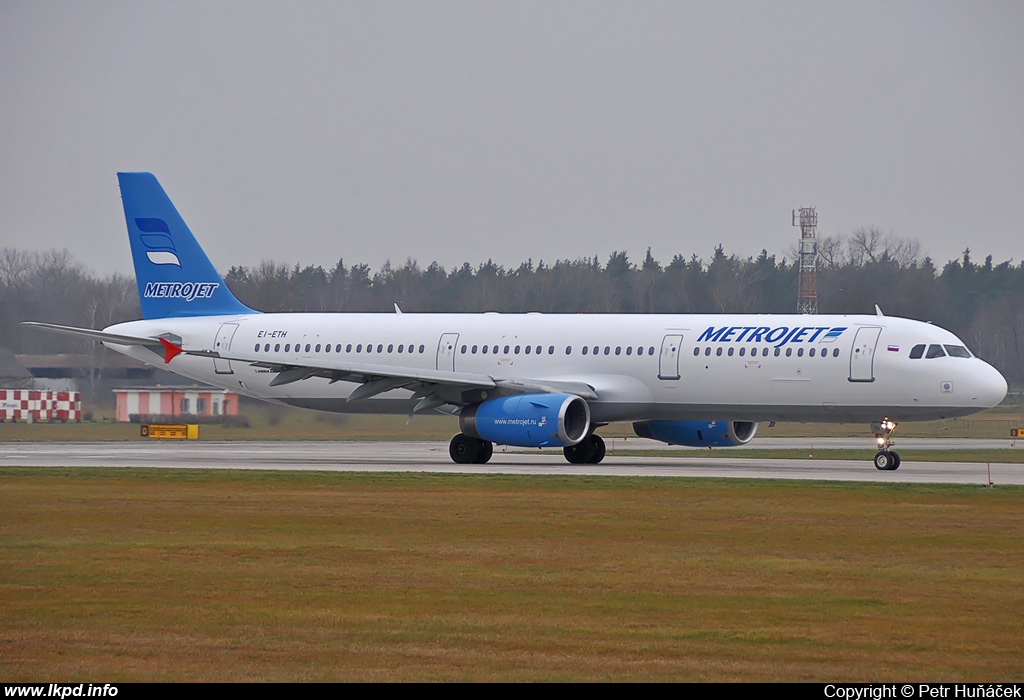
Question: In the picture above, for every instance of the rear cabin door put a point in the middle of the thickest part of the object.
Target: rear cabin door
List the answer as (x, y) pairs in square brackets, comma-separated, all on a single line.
[(223, 344), (862, 359), (446, 351), (668, 363)]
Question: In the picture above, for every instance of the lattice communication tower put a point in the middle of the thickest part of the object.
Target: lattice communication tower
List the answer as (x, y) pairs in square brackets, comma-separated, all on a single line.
[(807, 292)]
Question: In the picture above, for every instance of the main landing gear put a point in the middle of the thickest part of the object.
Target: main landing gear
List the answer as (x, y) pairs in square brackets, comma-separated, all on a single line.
[(467, 450), (885, 459), (589, 450)]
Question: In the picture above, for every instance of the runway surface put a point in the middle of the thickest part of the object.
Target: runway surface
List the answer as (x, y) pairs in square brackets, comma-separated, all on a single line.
[(433, 457)]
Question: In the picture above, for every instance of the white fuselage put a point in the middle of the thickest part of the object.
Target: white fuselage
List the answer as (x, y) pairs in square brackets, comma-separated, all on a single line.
[(750, 368)]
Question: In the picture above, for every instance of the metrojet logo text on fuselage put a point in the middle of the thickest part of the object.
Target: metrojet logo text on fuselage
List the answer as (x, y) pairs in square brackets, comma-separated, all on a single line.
[(779, 335), (188, 291)]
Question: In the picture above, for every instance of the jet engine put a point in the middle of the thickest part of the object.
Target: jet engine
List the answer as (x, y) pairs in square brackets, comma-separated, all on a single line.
[(528, 420), (697, 433)]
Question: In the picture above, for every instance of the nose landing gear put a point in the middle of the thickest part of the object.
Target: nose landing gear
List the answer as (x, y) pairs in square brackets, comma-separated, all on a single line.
[(885, 459)]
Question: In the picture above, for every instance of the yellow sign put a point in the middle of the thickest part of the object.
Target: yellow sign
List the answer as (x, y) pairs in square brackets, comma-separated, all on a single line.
[(171, 432)]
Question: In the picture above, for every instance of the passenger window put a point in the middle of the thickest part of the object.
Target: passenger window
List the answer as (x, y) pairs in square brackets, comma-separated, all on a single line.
[(401, 349), (463, 349), (764, 352), (957, 351), (516, 351), (391, 348), (810, 353), (835, 352), (539, 348), (527, 348), (696, 352), (277, 347), (607, 349), (474, 349), (318, 347), (551, 349), (359, 348), (348, 348), (800, 352), (789, 352), (568, 349), (380, 347), (337, 348), (421, 349), (369, 347), (485, 349), (778, 351), (743, 351), (505, 352), (650, 350), (596, 349), (731, 351), (629, 350), (586, 349), (707, 351), (618, 350), (257, 348), (718, 352), (934, 351), (327, 348), (496, 349)]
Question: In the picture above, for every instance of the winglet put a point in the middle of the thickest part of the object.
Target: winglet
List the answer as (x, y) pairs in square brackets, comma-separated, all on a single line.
[(170, 350)]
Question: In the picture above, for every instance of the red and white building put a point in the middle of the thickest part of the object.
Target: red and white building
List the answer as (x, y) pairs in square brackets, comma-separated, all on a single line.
[(31, 406), (174, 401)]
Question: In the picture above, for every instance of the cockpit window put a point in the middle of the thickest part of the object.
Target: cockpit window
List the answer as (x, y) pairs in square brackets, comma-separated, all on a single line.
[(957, 351), (917, 352), (935, 351)]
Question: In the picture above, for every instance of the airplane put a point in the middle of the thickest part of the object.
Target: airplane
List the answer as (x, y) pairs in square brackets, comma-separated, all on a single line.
[(540, 380)]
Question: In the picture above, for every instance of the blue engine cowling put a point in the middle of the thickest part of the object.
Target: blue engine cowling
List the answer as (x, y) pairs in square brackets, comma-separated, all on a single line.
[(697, 433), (528, 420)]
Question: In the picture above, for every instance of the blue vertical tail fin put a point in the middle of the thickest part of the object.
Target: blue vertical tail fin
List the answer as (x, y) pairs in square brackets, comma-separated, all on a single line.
[(174, 275)]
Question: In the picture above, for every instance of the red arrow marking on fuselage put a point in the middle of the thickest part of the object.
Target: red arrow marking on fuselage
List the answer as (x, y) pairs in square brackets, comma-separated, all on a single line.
[(170, 350)]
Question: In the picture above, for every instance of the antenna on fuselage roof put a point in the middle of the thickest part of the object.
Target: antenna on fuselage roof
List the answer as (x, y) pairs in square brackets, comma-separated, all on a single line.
[(397, 310), (878, 311)]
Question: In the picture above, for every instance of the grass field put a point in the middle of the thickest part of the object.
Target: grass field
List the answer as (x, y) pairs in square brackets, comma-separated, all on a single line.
[(218, 575)]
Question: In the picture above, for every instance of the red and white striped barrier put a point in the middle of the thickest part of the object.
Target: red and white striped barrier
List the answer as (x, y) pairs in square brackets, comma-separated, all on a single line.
[(40, 406)]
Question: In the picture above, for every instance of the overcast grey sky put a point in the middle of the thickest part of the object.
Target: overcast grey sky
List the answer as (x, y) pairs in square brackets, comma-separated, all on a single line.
[(455, 131)]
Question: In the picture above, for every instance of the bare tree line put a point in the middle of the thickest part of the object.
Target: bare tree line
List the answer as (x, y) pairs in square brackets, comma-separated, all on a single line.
[(982, 303)]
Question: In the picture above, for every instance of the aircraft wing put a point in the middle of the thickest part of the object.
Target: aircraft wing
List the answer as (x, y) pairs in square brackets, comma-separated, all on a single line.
[(434, 387)]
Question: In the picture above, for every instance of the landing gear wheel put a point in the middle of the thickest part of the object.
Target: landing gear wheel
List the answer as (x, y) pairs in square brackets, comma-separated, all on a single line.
[(464, 449), (578, 453), (589, 450), (486, 450), (887, 461)]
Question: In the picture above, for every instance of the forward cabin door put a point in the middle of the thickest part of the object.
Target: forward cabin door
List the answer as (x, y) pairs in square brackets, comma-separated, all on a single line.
[(862, 359), (668, 363), (446, 351), (223, 344)]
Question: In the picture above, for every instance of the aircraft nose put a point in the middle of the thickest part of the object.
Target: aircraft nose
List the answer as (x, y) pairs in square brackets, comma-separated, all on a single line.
[(990, 386)]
